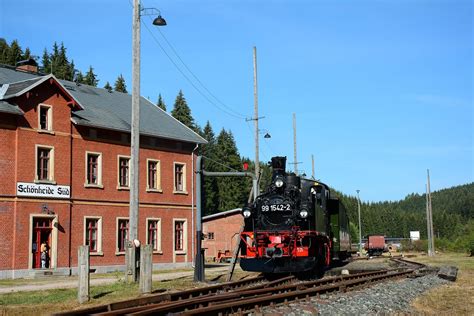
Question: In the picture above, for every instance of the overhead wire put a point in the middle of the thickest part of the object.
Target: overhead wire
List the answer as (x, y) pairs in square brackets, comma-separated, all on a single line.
[(197, 79), (221, 164), (227, 109)]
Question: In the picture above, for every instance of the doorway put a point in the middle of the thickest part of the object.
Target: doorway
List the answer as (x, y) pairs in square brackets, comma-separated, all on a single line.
[(41, 242)]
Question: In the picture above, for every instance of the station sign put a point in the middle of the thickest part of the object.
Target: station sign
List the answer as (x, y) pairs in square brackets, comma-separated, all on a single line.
[(43, 190)]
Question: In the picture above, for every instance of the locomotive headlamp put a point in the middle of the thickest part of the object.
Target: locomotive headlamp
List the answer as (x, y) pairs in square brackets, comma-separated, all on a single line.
[(279, 182), (303, 213), (246, 212)]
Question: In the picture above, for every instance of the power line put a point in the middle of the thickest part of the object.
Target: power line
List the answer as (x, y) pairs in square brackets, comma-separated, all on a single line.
[(197, 79), (230, 111), (187, 78), (220, 163)]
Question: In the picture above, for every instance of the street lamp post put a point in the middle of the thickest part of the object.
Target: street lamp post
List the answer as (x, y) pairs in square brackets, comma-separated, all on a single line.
[(131, 257), (360, 227)]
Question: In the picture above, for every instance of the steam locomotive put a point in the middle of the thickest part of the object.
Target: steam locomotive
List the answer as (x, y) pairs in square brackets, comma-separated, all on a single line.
[(295, 226)]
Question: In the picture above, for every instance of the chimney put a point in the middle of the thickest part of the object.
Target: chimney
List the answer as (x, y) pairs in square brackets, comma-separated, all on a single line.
[(29, 65)]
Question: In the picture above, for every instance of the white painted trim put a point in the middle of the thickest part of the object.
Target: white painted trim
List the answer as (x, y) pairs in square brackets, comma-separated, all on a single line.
[(99, 234), (117, 219), (49, 127), (175, 191), (119, 187), (148, 219), (99, 171), (158, 176), (185, 238), (51, 164)]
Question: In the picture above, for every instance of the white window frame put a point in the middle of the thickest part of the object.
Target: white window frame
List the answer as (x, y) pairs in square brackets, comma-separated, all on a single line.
[(175, 191), (49, 128), (185, 236), (158, 176), (119, 187), (158, 242), (99, 235), (99, 170), (50, 179), (117, 219)]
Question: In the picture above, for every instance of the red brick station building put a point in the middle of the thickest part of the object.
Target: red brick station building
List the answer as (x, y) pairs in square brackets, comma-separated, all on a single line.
[(65, 172)]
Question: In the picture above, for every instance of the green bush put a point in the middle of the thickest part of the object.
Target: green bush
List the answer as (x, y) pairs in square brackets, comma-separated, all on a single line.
[(416, 245)]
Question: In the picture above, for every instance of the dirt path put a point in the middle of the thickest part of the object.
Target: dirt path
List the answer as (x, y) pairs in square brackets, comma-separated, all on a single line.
[(72, 282)]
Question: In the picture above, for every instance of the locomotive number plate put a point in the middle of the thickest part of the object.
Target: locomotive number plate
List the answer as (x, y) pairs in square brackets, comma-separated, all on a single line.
[(276, 207)]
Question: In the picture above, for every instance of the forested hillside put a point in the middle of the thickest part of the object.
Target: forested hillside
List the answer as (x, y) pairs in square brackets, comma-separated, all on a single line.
[(453, 216)]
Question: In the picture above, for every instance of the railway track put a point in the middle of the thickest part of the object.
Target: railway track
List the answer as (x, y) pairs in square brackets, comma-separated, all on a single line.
[(244, 296)]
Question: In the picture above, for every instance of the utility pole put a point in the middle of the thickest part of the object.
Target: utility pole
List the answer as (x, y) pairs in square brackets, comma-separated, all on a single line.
[(312, 166), (294, 144), (360, 226), (255, 106), (428, 226), (135, 137), (131, 256), (430, 221)]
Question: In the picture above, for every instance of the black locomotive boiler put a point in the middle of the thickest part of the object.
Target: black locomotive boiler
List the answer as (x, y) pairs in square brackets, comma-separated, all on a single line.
[(295, 226)]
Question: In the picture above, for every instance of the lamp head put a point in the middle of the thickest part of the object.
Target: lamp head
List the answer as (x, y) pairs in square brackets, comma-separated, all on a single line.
[(159, 21)]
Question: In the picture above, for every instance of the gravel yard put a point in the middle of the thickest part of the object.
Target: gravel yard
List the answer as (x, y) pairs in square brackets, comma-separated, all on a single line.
[(384, 298)]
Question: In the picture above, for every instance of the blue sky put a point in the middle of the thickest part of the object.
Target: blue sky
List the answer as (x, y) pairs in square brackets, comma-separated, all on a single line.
[(382, 90)]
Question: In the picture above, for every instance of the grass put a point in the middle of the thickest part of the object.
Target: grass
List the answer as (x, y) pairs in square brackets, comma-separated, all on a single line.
[(49, 301), (456, 298)]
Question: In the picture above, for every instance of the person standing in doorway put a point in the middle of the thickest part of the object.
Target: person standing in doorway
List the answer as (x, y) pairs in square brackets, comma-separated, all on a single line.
[(44, 255)]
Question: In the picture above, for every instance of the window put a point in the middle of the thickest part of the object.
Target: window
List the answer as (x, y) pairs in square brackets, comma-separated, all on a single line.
[(44, 163), (122, 234), (179, 235), (210, 236), (93, 234), (44, 117), (93, 169), (124, 172), (154, 233), (180, 177), (153, 175)]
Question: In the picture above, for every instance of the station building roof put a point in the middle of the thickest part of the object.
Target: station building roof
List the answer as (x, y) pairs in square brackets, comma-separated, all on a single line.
[(96, 107)]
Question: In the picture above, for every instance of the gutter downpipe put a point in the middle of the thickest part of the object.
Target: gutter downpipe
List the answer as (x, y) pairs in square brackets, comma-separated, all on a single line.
[(192, 202)]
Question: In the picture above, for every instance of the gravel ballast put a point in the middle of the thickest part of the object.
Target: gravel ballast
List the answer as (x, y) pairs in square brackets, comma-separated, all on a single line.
[(384, 298)]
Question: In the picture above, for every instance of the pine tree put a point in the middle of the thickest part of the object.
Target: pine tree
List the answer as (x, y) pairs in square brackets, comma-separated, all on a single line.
[(46, 62), (108, 87), (79, 77), (26, 54), (4, 51), (161, 104), (63, 69), (182, 112), (210, 188), (54, 58), (14, 53), (72, 71), (233, 192), (91, 78), (120, 85)]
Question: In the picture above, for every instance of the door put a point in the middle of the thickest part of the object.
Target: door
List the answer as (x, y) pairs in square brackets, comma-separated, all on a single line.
[(42, 228)]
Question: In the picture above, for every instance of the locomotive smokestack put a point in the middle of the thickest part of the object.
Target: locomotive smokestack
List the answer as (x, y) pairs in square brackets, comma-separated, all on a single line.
[(279, 166)]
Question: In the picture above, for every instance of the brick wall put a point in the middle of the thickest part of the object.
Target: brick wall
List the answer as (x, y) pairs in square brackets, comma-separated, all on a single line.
[(18, 139), (225, 231)]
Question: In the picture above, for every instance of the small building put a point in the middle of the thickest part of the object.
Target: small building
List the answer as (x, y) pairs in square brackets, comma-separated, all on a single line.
[(65, 177), (221, 233)]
